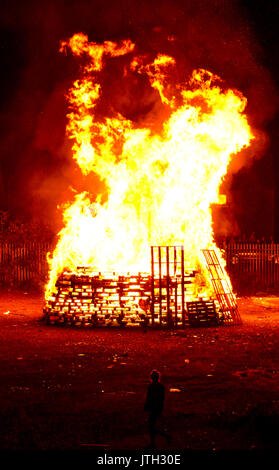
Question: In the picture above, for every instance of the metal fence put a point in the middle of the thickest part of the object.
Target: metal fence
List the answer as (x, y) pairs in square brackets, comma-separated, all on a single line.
[(23, 264), (253, 267)]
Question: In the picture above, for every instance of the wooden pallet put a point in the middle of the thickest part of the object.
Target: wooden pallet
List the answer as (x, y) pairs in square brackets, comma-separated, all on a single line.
[(222, 288), (89, 299), (202, 313)]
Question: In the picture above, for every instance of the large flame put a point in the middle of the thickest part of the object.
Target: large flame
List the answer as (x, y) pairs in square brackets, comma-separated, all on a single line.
[(160, 185)]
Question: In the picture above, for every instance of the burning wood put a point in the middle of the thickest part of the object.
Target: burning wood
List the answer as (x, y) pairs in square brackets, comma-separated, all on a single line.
[(161, 177), (91, 299), (86, 298)]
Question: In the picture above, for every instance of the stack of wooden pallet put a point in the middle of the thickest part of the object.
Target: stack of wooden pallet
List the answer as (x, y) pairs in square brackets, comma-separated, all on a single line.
[(169, 296), (86, 298)]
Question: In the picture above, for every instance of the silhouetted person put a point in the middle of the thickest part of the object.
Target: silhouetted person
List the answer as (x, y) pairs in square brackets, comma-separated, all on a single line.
[(154, 404)]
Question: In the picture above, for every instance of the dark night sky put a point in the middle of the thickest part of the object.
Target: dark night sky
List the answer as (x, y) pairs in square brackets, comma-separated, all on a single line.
[(238, 40)]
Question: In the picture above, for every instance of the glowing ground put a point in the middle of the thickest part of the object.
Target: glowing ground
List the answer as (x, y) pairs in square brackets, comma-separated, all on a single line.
[(70, 388)]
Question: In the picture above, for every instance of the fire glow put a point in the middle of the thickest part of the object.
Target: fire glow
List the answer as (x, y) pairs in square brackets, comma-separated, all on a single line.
[(160, 185)]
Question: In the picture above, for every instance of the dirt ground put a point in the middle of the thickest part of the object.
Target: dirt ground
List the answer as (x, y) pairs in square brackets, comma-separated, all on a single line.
[(69, 388)]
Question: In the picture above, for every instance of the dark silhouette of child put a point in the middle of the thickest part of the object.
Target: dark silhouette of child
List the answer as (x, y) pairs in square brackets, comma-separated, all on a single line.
[(154, 404)]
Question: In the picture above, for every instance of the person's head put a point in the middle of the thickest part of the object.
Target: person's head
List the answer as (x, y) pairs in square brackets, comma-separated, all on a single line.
[(155, 375)]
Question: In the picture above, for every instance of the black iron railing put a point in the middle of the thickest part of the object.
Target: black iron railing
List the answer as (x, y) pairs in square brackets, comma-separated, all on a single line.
[(251, 266), (23, 263)]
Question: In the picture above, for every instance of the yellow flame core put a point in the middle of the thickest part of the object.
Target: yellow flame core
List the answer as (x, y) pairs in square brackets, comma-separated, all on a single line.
[(160, 187)]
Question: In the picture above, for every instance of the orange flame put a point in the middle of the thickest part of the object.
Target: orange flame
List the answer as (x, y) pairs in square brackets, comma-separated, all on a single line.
[(160, 185)]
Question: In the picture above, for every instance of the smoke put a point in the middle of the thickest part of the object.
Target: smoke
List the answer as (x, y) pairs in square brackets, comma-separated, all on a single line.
[(35, 155)]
